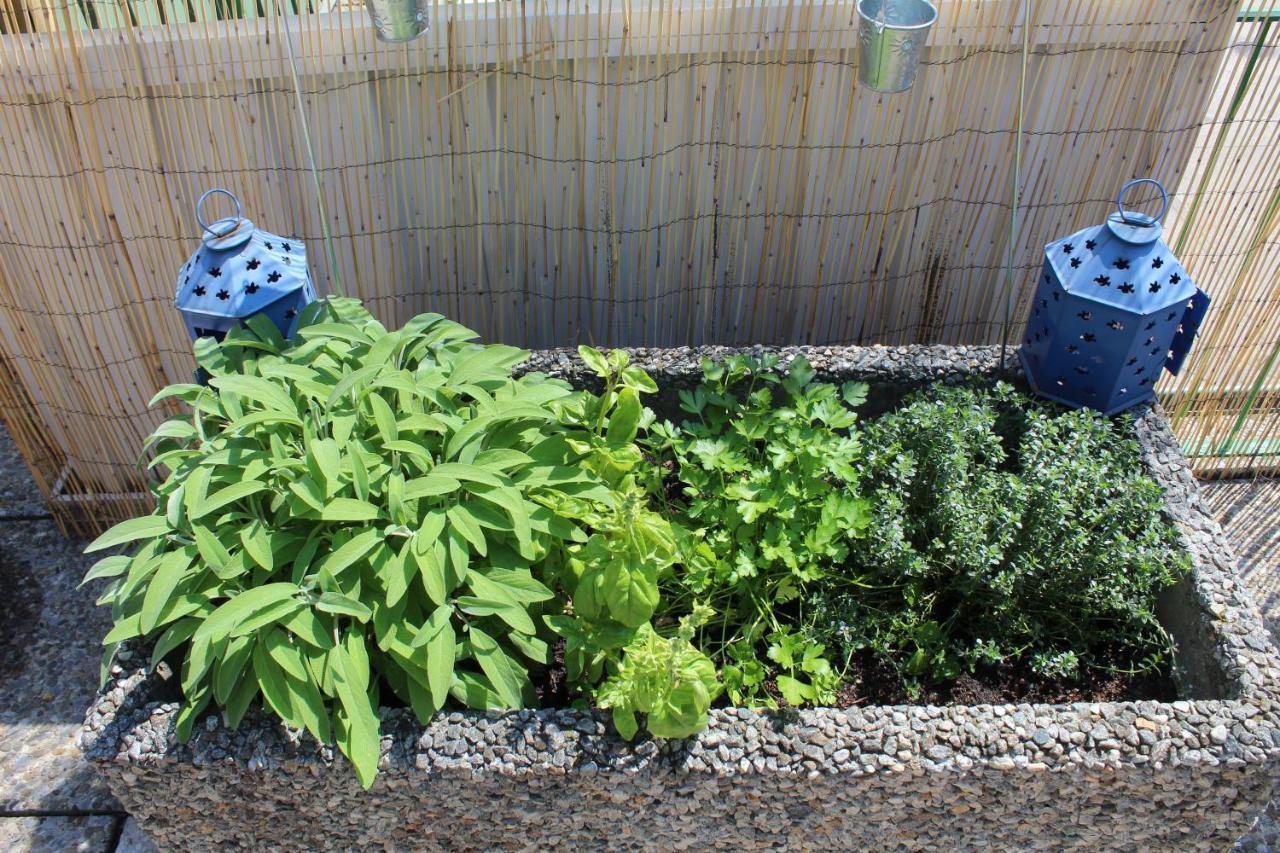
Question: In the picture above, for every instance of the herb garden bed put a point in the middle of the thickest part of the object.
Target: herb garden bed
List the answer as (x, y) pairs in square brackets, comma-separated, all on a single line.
[(1189, 773)]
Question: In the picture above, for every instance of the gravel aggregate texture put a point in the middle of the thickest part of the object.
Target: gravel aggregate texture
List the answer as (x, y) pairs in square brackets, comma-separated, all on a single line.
[(18, 495), (58, 834), (133, 839), (1249, 512), (1188, 775), (48, 672)]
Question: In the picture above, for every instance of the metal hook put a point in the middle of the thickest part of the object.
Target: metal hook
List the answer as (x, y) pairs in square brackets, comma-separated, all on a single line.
[(1164, 203), (205, 225)]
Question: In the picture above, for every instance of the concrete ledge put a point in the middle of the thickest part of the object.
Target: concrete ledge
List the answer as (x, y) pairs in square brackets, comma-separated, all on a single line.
[(1190, 774)]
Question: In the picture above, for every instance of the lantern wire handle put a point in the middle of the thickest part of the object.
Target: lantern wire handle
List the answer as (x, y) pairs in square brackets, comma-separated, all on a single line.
[(200, 217), (1124, 214), (1016, 188), (311, 157)]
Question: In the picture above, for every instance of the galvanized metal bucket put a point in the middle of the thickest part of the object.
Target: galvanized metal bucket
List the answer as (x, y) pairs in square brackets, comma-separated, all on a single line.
[(398, 20), (891, 35)]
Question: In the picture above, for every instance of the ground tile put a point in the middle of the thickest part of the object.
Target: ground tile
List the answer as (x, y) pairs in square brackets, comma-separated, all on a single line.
[(18, 494), (134, 840), (40, 834), (50, 636)]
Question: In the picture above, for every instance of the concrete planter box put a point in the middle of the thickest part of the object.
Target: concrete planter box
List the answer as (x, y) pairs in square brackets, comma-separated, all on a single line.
[(1183, 775)]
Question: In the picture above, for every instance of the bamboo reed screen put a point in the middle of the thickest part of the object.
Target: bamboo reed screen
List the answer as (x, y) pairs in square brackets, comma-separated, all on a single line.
[(1226, 229), (644, 173)]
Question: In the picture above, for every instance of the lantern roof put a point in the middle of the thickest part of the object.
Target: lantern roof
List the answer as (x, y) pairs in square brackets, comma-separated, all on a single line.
[(1123, 263), (1139, 278), (239, 269)]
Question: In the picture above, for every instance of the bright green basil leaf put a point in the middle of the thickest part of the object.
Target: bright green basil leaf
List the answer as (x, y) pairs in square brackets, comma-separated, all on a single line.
[(630, 591), (625, 420), (595, 360)]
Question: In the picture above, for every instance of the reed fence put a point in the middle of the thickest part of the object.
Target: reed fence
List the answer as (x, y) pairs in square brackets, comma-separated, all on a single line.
[(654, 172), (1225, 405)]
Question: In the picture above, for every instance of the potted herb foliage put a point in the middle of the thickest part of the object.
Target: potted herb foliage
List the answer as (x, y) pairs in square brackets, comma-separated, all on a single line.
[(819, 598)]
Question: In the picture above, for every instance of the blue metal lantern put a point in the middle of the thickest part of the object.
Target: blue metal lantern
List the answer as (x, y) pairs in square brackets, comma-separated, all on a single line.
[(240, 271), (1113, 308)]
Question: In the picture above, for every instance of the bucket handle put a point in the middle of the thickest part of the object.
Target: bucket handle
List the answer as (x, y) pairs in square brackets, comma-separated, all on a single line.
[(200, 203), (1124, 215)]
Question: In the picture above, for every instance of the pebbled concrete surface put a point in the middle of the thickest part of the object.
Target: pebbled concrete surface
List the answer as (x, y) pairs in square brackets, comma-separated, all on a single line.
[(49, 673), (93, 834), (18, 495), (134, 840), (49, 635), (1249, 511)]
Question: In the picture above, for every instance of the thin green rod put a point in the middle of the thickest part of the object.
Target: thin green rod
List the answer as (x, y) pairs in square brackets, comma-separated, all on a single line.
[(334, 277), (1268, 219), (1016, 189), (1242, 89), (1236, 100)]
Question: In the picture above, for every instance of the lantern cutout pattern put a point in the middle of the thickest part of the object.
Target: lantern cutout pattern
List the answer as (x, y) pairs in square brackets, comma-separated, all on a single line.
[(1112, 308), (240, 271)]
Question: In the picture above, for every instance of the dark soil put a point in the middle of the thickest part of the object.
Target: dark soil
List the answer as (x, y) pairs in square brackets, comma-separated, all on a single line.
[(871, 682), (552, 686), (19, 616)]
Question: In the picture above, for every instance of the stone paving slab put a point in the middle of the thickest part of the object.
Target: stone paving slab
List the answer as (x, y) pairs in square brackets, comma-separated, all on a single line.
[(49, 651), (18, 495), (134, 840), (96, 834), (48, 671)]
